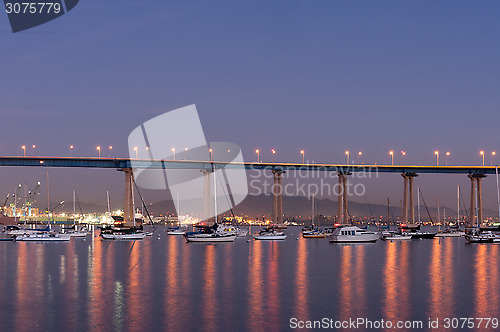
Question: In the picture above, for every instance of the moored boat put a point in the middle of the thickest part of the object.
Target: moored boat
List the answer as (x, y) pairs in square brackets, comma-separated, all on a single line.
[(270, 234), (353, 234), (44, 236)]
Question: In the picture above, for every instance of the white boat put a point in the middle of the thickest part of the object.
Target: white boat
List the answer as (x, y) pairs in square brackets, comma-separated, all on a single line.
[(46, 236), (353, 234), (74, 232), (483, 237), (179, 230), (123, 236), (241, 232), (450, 233), (214, 233), (270, 235), (396, 236), (313, 234), (23, 231)]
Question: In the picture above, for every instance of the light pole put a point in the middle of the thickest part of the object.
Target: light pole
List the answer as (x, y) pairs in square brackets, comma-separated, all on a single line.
[(437, 157), (109, 151), (24, 150), (403, 154), (70, 149), (99, 150), (173, 150), (33, 146), (347, 155), (185, 149), (210, 150), (135, 149), (447, 154), (273, 151), (228, 155), (392, 157), (258, 155), (303, 156), (359, 158), (492, 154), (482, 154)]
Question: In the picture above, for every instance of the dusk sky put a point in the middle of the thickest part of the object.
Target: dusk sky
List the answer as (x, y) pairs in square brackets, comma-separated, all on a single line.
[(323, 76)]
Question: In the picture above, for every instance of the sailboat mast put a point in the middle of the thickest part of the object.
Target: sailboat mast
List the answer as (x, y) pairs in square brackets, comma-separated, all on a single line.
[(215, 197), (498, 194), (388, 211), (458, 202), (439, 213), (107, 200), (418, 203), (133, 198), (74, 207), (312, 210)]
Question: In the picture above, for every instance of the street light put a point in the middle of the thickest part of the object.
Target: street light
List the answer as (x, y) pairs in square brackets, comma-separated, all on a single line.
[(210, 150), (273, 151), (70, 149), (258, 155), (303, 156), (135, 149), (403, 154), (109, 151), (437, 157), (392, 157), (359, 158), (24, 150), (347, 155), (33, 146), (173, 150), (185, 149), (99, 149), (482, 154), (447, 154), (492, 154)]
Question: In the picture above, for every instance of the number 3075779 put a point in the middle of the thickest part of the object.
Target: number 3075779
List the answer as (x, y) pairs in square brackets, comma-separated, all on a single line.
[(32, 7)]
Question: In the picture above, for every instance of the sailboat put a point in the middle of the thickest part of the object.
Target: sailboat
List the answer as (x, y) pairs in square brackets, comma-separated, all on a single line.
[(74, 231), (477, 235), (179, 229), (453, 231), (313, 232), (217, 232)]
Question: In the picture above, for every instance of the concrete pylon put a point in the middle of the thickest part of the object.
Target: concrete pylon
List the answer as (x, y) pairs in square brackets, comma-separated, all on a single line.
[(344, 201), (479, 193), (340, 215), (128, 202), (405, 198), (472, 214), (207, 193), (277, 192), (410, 177)]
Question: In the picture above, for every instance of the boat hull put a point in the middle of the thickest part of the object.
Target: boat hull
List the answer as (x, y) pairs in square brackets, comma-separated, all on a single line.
[(133, 236), (353, 239), (228, 238), (454, 234), (40, 238)]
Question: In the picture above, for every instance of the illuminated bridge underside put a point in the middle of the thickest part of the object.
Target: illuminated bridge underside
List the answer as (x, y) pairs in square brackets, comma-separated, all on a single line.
[(121, 163)]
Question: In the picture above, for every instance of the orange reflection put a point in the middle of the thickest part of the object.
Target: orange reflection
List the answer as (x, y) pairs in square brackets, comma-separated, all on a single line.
[(255, 292), (24, 303), (486, 281), (95, 277), (172, 291), (301, 283), (395, 272), (209, 290), (134, 289), (346, 282), (441, 279), (273, 287)]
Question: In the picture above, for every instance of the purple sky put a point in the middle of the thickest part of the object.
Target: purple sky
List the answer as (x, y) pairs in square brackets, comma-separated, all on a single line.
[(323, 76)]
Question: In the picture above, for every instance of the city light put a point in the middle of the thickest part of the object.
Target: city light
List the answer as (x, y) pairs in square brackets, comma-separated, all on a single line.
[(99, 150), (303, 156), (24, 150), (347, 155), (392, 157), (491, 160), (482, 154), (437, 157), (446, 158), (70, 149), (109, 151)]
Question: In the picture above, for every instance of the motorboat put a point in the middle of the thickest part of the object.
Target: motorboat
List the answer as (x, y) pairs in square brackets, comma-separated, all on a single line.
[(43, 236), (396, 236), (179, 230), (214, 233), (353, 234), (22, 231), (123, 236), (483, 237), (270, 234), (315, 233), (450, 232), (76, 232)]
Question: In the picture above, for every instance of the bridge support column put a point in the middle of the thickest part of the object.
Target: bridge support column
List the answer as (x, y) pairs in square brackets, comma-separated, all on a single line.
[(207, 193), (408, 197), (128, 202), (476, 194), (342, 208), (405, 199), (340, 212), (277, 192)]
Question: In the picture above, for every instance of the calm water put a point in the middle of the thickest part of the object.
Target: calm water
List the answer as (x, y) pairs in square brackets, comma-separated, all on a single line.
[(168, 284)]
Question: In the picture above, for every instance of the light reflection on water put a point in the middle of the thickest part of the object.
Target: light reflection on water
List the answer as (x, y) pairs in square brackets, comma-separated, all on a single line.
[(167, 284)]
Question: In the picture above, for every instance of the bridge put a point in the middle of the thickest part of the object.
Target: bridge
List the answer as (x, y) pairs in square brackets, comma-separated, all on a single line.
[(408, 172)]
